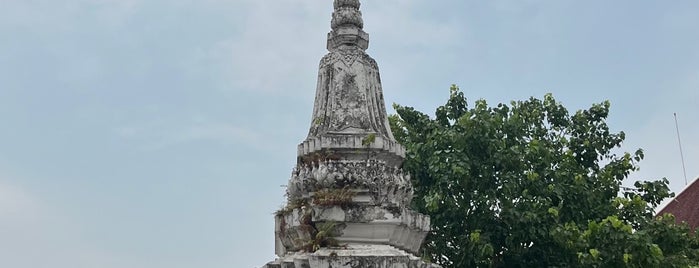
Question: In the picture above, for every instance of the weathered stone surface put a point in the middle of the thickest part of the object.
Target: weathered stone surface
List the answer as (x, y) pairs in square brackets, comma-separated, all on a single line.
[(351, 147), (385, 184), (353, 256), (349, 99), (361, 224), (348, 196), (347, 26)]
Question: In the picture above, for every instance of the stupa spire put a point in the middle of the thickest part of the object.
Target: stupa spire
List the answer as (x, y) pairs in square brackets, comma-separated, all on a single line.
[(349, 104), (348, 197), (347, 25)]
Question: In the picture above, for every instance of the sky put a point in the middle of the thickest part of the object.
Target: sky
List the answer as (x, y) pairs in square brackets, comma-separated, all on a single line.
[(149, 133)]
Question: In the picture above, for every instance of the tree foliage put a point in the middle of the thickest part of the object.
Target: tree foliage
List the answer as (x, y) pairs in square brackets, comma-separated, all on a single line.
[(530, 185)]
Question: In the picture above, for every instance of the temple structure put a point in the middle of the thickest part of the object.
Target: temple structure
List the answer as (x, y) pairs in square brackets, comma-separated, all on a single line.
[(348, 197), (685, 206)]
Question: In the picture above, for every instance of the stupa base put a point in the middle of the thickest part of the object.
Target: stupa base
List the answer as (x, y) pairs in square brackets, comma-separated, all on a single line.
[(352, 256)]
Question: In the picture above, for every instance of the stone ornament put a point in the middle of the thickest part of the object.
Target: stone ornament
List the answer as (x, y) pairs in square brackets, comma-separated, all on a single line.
[(347, 17), (349, 98), (347, 26), (388, 186), (346, 3), (348, 196)]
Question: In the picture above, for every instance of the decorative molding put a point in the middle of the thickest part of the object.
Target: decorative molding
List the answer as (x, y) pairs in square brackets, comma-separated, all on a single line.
[(385, 185)]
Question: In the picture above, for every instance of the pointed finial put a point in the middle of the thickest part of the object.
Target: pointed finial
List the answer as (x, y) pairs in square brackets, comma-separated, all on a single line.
[(347, 3), (347, 14), (347, 26)]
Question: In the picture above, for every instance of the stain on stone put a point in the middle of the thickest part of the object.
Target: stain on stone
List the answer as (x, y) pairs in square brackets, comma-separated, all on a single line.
[(348, 185)]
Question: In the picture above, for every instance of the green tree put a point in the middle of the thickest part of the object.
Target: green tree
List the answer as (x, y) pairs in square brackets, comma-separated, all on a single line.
[(530, 185)]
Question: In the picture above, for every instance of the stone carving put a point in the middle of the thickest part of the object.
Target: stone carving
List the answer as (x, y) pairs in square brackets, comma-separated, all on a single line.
[(347, 26), (348, 55), (348, 171), (386, 185), (347, 14), (347, 3), (361, 263), (349, 97)]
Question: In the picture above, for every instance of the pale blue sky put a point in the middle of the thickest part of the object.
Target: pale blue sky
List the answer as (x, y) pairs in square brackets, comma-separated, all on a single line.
[(148, 134)]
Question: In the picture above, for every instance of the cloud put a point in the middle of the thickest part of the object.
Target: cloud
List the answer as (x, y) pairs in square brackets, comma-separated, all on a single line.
[(280, 44), (36, 233), (658, 134), (221, 133), (403, 23), (16, 204), (272, 46), (40, 15)]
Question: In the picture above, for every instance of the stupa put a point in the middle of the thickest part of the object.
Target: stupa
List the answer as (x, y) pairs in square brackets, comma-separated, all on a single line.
[(348, 197)]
